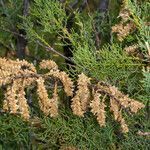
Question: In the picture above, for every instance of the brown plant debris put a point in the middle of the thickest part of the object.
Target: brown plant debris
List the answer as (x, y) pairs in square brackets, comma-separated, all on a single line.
[(133, 50), (114, 107), (48, 106), (48, 64), (10, 75), (63, 147), (119, 101), (124, 14)]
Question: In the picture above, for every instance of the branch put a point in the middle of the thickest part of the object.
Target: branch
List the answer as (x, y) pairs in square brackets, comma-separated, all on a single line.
[(26, 8), (21, 41), (103, 6), (54, 51)]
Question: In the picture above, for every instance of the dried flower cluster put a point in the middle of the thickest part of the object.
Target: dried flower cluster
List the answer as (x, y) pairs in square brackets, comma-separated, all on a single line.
[(123, 30), (123, 100), (132, 49), (125, 27), (98, 108), (18, 75), (80, 101), (48, 106), (62, 76), (118, 102)]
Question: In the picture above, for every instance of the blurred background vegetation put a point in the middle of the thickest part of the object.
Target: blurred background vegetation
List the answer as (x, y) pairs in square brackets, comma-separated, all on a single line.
[(77, 35)]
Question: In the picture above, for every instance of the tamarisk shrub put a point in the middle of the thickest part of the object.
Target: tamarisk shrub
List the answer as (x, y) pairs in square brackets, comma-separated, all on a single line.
[(16, 75)]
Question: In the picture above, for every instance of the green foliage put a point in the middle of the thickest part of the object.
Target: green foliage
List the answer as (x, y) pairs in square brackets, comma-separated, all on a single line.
[(69, 130), (14, 132), (145, 95), (9, 18), (46, 17), (47, 24), (111, 64), (52, 21), (134, 140), (146, 81), (140, 18)]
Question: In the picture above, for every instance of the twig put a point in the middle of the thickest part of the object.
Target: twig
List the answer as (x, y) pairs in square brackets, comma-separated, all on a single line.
[(103, 6), (26, 8), (46, 47), (12, 32), (54, 51), (21, 41)]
